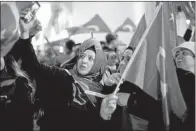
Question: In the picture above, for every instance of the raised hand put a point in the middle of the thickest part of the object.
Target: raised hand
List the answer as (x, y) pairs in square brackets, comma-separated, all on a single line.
[(30, 28), (112, 79), (123, 98), (36, 28), (108, 106)]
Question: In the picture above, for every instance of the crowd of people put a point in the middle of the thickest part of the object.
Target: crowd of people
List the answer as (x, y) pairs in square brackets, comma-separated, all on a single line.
[(58, 87)]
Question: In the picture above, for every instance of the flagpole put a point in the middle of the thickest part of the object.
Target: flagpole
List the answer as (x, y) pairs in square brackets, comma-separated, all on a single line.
[(137, 50), (164, 86), (91, 32)]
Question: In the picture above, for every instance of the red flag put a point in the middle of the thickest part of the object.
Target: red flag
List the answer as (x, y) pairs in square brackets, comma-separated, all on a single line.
[(139, 32), (127, 26), (153, 62), (97, 25), (10, 23)]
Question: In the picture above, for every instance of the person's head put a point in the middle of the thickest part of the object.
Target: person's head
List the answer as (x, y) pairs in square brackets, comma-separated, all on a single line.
[(110, 37), (125, 59), (184, 56), (69, 44), (86, 61), (111, 58), (111, 40), (91, 59), (76, 48), (103, 44)]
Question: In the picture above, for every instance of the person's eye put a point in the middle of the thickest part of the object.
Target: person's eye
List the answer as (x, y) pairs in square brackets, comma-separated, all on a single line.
[(122, 58), (90, 58), (82, 56), (177, 53), (184, 53), (128, 58)]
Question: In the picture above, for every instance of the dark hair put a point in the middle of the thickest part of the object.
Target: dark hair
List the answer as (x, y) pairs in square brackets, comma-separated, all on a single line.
[(102, 42), (70, 44), (178, 8), (107, 49), (92, 48), (14, 69), (110, 37), (130, 48)]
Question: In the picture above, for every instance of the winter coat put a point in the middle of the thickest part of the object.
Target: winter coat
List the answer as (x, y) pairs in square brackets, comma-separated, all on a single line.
[(55, 91)]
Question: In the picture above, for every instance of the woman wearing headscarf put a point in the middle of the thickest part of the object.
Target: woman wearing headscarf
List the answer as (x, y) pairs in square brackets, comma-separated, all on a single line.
[(62, 92)]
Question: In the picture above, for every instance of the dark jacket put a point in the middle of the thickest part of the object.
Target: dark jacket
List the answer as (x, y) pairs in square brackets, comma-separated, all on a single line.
[(54, 89), (142, 105), (16, 105), (187, 86)]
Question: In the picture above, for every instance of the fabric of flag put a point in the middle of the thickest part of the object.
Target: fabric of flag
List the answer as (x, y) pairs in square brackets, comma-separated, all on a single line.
[(10, 15), (172, 24), (152, 67), (97, 25), (10, 22), (138, 33), (127, 26)]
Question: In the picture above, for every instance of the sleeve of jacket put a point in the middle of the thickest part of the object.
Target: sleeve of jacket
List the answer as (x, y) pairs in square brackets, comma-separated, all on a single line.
[(187, 34), (47, 74), (103, 124), (23, 49), (140, 103)]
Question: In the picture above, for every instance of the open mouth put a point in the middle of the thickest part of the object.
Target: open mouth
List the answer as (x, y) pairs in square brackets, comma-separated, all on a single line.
[(179, 62), (83, 67)]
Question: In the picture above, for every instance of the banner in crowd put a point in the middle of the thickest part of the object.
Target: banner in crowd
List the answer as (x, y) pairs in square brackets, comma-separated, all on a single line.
[(127, 26)]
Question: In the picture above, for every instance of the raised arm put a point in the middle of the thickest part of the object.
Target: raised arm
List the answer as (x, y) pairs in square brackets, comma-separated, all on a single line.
[(23, 49)]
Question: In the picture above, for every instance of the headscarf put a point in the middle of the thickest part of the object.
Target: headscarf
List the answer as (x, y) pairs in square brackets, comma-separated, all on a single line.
[(91, 81)]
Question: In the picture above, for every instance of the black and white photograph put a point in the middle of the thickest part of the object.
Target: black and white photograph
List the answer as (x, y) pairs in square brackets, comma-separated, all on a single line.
[(97, 66)]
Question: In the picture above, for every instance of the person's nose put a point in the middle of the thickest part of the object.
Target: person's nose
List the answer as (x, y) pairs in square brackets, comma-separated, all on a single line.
[(122, 62), (179, 57), (85, 60)]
